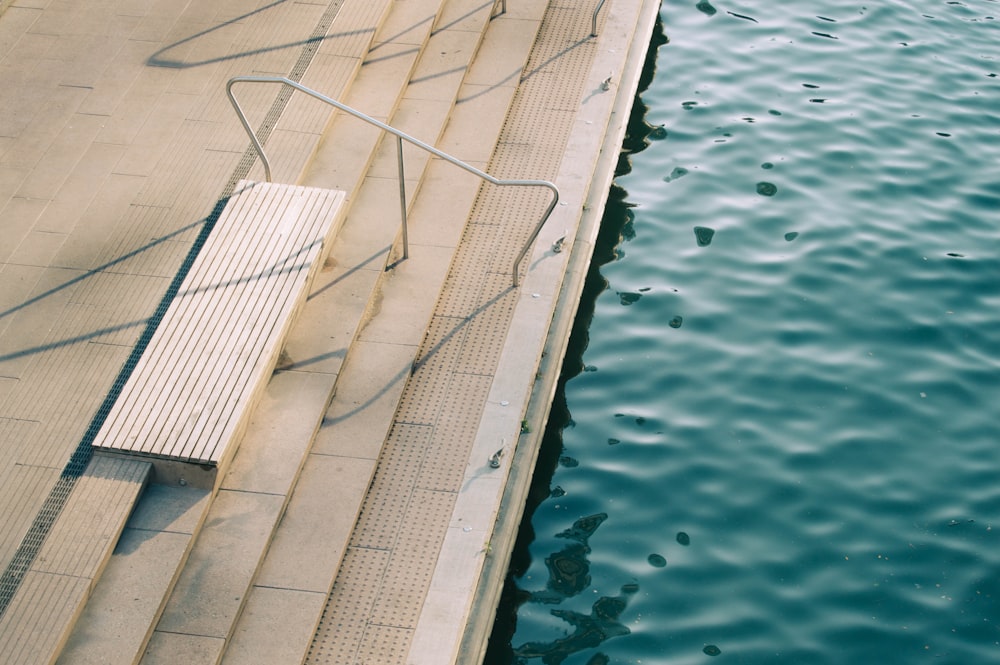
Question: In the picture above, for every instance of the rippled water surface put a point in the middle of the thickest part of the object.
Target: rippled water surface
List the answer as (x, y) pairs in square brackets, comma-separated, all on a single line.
[(780, 440)]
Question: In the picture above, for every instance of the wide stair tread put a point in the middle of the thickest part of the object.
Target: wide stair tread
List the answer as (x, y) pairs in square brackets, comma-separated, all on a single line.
[(56, 585), (211, 590), (290, 593), (158, 537), (291, 590)]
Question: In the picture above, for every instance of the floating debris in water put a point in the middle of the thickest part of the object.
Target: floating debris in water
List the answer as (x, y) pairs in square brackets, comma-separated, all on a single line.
[(766, 188), (956, 255), (705, 7), (767, 165), (658, 133), (569, 462), (676, 322), (627, 298), (791, 235), (683, 538), (678, 172), (704, 235), (656, 561), (614, 442), (712, 650), (745, 18), (583, 528)]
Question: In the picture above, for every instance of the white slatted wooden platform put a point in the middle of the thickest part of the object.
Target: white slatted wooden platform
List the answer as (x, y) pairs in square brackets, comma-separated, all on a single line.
[(190, 395)]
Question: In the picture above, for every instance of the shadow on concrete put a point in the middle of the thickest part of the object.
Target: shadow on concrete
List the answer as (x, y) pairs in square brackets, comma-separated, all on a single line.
[(162, 58), (24, 556)]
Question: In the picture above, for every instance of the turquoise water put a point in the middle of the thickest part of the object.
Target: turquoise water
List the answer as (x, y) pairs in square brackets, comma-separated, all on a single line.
[(777, 440)]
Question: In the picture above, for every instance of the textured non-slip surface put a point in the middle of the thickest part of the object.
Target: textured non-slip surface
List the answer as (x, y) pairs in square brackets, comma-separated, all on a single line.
[(379, 593)]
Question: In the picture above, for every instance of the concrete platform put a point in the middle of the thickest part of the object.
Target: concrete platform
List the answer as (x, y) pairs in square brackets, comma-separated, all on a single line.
[(361, 518)]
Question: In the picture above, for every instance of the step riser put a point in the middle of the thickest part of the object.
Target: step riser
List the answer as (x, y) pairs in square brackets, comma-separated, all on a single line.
[(65, 570)]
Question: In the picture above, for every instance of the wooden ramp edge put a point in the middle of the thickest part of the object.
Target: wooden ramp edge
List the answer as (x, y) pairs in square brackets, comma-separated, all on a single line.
[(189, 396)]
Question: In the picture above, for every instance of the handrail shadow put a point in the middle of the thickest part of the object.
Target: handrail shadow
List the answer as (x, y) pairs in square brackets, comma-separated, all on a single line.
[(159, 59)]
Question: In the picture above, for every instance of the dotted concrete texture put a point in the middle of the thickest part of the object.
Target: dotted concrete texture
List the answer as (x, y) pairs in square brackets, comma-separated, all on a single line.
[(380, 590)]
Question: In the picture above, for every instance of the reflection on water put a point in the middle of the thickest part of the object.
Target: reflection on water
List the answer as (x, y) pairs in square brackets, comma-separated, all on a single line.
[(589, 631), (569, 570), (569, 576), (775, 437)]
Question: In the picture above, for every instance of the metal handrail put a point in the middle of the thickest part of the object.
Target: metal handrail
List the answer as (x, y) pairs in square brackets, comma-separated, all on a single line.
[(400, 137), (593, 21)]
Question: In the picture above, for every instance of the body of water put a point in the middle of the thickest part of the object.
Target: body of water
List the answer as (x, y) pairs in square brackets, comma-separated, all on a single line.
[(777, 438)]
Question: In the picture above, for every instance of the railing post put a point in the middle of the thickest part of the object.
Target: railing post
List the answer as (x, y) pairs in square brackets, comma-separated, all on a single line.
[(534, 233), (593, 21), (402, 197), (249, 130)]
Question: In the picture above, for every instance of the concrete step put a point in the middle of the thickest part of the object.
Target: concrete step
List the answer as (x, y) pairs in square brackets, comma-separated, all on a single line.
[(159, 537), (156, 541), (213, 588), (60, 579), (290, 592)]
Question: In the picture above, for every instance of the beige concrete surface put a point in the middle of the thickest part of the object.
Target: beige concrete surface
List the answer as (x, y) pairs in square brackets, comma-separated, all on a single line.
[(116, 142), (59, 580), (434, 491), (111, 158), (120, 615), (361, 502)]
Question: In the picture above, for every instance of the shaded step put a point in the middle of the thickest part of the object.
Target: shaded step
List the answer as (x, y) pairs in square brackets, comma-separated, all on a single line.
[(63, 573)]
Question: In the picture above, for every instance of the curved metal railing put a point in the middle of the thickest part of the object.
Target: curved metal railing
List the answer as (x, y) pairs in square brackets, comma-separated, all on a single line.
[(593, 20), (400, 137)]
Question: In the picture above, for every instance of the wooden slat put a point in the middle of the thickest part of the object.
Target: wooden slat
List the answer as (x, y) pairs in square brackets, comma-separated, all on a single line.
[(217, 343)]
